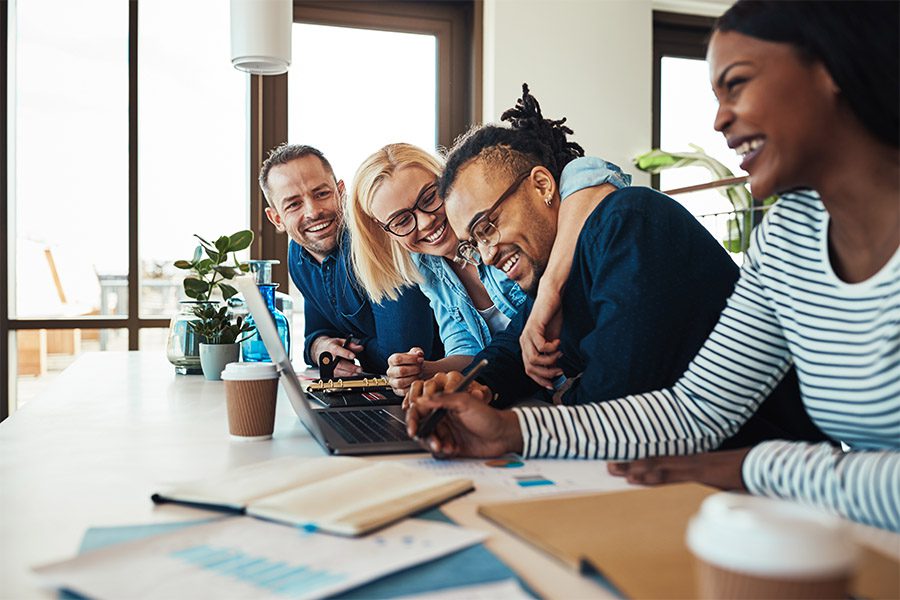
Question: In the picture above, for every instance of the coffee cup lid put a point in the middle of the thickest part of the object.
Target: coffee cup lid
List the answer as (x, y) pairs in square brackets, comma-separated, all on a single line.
[(245, 371), (768, 537)]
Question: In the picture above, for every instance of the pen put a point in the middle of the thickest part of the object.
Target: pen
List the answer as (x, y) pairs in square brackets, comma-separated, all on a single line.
[(431, 421)]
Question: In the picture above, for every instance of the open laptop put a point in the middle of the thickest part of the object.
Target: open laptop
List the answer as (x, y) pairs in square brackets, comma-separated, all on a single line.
[(339, 430)]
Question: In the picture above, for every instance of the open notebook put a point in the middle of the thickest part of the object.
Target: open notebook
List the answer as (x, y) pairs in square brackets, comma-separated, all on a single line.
[(342, 495)]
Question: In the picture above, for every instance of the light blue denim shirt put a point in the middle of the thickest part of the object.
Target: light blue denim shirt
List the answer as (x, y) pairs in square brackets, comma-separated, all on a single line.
[(463, 330), (588, 171)]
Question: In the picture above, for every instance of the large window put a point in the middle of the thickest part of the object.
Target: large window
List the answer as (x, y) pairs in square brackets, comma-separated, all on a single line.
[(126, 131)]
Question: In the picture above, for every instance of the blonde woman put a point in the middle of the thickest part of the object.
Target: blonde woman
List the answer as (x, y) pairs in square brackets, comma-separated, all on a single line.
[(400, 237)]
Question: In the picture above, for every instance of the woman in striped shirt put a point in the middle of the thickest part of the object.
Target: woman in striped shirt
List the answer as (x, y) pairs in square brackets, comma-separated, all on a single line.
[(808, 94)]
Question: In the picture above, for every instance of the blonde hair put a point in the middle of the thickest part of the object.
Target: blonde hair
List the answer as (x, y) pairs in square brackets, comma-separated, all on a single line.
[(383, 266)]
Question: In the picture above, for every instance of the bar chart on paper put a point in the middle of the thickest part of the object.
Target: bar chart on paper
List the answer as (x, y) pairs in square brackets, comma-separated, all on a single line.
[(248, 558)]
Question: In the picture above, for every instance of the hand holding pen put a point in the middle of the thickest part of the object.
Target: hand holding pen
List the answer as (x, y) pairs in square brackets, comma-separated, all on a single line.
[(466, 425)]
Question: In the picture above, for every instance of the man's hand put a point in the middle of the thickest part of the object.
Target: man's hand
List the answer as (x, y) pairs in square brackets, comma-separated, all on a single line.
[(540, 338), (718, 469), (336, 346), (470, 427), (404, 369)]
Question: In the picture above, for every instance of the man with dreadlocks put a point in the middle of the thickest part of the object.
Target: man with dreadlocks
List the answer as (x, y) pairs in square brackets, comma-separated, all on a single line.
[(647, 281)]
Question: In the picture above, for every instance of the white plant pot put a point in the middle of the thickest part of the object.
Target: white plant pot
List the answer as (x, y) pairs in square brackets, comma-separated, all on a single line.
[(214, 357)]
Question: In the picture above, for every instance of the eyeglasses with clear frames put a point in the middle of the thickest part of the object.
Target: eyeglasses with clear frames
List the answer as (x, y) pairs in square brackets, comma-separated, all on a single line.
[(483, 231)]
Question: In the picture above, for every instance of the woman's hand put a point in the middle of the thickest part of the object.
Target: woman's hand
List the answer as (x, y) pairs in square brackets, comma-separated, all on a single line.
[(540, 337), (718, 469), (470, 427), (404, 369)]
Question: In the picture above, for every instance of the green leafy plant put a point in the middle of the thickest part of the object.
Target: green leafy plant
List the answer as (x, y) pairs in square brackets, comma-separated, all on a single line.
[(209, 273), (216, 327), (739, 226)]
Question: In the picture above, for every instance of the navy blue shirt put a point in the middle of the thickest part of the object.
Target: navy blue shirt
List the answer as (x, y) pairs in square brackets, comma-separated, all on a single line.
[(647, 285), (336, 306)]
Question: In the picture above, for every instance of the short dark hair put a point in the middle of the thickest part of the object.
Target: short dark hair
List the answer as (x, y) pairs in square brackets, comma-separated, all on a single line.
[(531, 140), (857, 41), (284, 154)]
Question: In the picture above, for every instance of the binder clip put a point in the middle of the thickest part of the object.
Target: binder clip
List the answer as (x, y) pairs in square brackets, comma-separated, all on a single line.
[(327, 363)]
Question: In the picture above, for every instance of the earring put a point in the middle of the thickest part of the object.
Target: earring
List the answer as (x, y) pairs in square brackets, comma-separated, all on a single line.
[(548, 199)]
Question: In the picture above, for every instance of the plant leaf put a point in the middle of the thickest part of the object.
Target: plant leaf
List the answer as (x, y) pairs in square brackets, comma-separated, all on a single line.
[(226, 272), (222, 245), (195, 287), (198, 252), (183, 264), (227, 290), (213, 255), (240, 240)]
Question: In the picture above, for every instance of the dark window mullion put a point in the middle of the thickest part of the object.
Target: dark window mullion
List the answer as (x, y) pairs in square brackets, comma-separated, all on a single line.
[(134, 272)]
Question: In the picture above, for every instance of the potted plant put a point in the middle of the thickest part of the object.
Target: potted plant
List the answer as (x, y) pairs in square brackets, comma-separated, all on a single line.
[(746, 214), (205, 285), (219, 333)]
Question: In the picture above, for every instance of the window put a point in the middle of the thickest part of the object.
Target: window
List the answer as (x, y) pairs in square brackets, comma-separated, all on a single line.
[(129, 133), (684, 110)]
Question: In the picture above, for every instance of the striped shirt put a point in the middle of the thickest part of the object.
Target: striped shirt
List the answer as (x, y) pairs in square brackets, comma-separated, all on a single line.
[(787, 307)]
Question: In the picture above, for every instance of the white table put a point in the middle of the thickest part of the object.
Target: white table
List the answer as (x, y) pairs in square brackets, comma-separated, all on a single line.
[(117, 426)]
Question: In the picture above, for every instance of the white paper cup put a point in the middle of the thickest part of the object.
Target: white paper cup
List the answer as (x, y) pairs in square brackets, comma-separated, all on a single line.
[(752, 547), (250, 393)]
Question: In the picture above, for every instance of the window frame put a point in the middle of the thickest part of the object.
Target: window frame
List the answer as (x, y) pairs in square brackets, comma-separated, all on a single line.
[(681, 36), (458, 25)]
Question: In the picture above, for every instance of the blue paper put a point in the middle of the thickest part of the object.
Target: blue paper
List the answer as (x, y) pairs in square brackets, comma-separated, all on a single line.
[(471, 566)]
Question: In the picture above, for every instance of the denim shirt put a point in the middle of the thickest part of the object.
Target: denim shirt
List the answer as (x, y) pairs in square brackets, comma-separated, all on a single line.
[(336, 306), (589, 171), (464, 331)]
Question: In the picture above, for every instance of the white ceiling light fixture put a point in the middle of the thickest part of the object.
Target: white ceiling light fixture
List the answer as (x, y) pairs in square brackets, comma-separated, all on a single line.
[(261, 36)]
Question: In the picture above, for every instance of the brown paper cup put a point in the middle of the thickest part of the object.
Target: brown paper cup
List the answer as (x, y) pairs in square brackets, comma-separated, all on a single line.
[(251, 408), (716, 582)]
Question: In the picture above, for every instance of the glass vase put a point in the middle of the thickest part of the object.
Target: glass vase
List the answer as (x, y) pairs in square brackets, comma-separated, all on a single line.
[(183, 344)]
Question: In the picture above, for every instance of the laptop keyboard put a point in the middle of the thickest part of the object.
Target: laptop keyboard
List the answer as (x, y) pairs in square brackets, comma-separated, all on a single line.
[(366, 426)]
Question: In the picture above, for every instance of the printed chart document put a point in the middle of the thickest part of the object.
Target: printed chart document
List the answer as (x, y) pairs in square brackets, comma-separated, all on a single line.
[(339, 494), (248, 558), (514, 478)]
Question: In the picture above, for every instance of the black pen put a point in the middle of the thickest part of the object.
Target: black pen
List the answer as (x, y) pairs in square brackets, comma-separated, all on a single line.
[(431, 421)]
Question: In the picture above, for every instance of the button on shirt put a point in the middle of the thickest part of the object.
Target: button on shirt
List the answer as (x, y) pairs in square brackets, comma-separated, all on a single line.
[(336, 306)]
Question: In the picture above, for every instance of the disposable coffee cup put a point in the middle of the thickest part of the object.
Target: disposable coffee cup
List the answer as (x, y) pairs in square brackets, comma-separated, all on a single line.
[(752, 547), (250, 393)]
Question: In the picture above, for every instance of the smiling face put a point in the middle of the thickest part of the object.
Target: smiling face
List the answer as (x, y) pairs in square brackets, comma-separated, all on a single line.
[(397, 193), (775, 110), (526, 224), (305, 203)]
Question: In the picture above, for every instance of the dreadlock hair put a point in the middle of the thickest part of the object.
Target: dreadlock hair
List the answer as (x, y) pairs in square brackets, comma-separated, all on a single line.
[(529, 141)]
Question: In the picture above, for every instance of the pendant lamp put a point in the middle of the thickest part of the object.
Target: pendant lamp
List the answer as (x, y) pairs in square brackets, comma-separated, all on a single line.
[(261, 36)]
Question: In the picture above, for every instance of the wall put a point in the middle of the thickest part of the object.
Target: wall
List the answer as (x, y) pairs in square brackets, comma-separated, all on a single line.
[(587, 60)]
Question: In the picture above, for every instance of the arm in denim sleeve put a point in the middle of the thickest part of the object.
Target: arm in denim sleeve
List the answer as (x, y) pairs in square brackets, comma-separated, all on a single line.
[(316, 325)]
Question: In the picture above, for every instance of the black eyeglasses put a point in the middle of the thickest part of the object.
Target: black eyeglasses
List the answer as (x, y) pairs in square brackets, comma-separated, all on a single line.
[(404, 222), (482, 230)]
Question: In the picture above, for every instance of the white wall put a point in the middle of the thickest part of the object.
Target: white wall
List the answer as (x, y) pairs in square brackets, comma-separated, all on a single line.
[(587, 60)]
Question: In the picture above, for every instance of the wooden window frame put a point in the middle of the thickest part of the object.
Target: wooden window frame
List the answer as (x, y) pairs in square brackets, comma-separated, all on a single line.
[(680, 35)]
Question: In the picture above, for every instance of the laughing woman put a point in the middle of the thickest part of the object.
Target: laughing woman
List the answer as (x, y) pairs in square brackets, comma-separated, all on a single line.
[(808, 95), (400, 237)]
